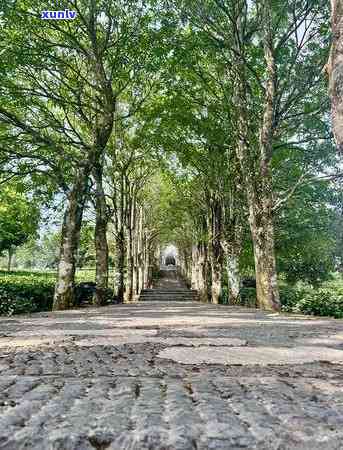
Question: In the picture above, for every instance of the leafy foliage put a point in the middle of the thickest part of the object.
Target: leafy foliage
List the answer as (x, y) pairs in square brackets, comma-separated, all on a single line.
[(25, 293), (18, 217)]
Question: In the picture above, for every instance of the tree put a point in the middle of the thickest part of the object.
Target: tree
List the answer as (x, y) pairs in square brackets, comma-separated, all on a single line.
[(272, 69), (335, 71), (19, 217), (72, 76)]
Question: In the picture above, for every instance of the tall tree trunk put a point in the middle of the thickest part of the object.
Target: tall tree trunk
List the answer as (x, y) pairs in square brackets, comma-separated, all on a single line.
[(140, 252), (129, 268), (195, 267), (265, 265), (216, 253), (233, 278), (100, 239), (129, 285), (335, 70), (203, 273), (216, 281), (199, 271), (64, 296), (255, 167), (9, 261), (232, 247), (120, 216), (232, 252), (120, 266)]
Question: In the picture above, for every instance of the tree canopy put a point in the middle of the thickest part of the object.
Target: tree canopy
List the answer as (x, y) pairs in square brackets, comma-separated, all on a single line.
[(205, 124)]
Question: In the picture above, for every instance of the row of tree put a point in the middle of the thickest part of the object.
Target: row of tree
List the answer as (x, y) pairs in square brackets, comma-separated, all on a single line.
[(228, 98)]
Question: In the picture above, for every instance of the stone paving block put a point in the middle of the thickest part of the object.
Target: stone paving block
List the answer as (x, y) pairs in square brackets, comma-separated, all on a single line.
[(251, 355), (123, 392)]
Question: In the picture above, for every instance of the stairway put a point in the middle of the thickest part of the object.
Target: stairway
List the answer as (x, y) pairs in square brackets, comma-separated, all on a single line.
[(169, 295), (169, 287)]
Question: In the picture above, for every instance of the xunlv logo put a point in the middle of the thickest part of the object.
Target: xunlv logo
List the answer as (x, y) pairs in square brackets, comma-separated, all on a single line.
[(58, 15)]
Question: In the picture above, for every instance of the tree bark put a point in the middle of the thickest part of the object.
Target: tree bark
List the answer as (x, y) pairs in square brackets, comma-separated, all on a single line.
[(195, 267), (216, 253), (256, 172), (203, 273), (199, 271), (64, 296), (129, 269), (335, 70), (120, 266), (233, 277), (140, 252), (265, 266), (129, 285), (9, 262), (216, 282), (100, 239)]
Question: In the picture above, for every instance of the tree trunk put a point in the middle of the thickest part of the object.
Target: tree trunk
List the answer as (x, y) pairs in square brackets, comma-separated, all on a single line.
[(216, 252), (233, 277), (265, 265), (129, 285), (255, 167), (335, 70), (216, 281), (195, 267), (100, 239), (120, 255), (199, 271), (129, 269), (203, 273), (140, 252), (9, 262), (64, 296), (232, 247)]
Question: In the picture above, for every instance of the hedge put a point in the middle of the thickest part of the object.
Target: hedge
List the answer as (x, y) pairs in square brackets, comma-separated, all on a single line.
[(27, 292), (324, 301)]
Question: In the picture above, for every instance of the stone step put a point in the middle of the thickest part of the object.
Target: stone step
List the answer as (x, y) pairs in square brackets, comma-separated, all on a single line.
[(170, 295), (167, 290), (167, 299), (177, 294)]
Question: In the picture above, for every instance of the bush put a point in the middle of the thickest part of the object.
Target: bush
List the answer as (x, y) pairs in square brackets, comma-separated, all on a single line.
[(290, 296), (321, 302), (25, 293), (224, 296), (248, 297)]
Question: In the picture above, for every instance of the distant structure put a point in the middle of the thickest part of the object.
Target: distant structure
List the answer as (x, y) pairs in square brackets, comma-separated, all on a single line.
[(169, 257)]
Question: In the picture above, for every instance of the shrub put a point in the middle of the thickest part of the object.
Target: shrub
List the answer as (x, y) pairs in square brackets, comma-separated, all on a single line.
[(321, 302), (25, 293), (248, 297), (13, 305), (224, 296), (290, 296)]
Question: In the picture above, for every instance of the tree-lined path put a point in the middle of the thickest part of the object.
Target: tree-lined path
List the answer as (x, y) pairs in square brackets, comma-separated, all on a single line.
[(185, 138), (155, 375)]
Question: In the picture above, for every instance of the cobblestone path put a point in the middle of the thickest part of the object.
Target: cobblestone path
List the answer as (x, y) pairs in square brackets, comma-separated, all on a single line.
[(170, 376)]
